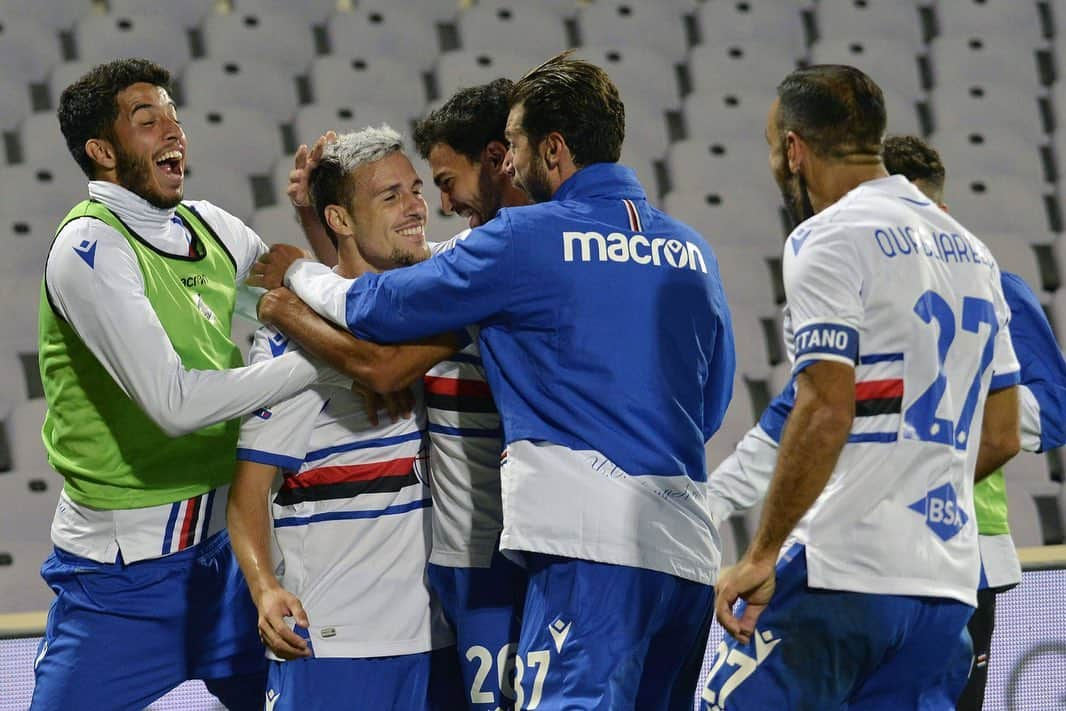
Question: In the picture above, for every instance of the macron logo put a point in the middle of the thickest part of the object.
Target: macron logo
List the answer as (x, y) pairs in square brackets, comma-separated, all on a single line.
[(559, 631), (616, 247), (271, 699), (87, 252), (278, 343), (798, 238)]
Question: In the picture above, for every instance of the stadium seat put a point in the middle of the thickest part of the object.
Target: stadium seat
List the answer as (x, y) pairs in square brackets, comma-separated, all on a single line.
[(739, 65), (24, 433), (232, 136), (63, 75), (26, 242), (254, 84), (428, 11), (1013, 252), (284, 40), (277, 224), (56, 15), (750, 22), (728, 115), (988, 106), (737, 216), (623, 23), (893, 65), (314, 120), (865, 19), (103, 38), (16, 104), (395, 33), (564, 9), (226, 187), (31, 190), (713, 166), (310, 11), (971, 60), (462, 68), (641, 75), (972, 153), (28, 49), (520, 28), (980, 200), (21, 586), (340, 80), (188, 13), (43, 143), (1016, 20)]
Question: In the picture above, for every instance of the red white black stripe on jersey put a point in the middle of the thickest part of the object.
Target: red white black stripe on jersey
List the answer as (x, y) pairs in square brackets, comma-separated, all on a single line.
[(634, 216), (187, 523), (347, 480), (458, 394)]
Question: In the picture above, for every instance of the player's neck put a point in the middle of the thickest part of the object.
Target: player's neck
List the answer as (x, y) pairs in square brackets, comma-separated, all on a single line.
[(837, 180), (350, 262)]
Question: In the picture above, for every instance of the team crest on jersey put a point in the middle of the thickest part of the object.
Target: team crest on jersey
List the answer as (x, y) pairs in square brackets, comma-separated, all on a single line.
[(263, 413), (87, 251), (942, 512)]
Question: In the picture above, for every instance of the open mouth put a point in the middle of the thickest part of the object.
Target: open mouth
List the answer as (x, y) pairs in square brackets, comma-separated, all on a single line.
[(170, 163)]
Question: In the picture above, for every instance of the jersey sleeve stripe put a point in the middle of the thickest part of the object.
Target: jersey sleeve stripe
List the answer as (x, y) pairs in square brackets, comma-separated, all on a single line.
[(871, 358), (281, 461), (878, 389), (1005, 380)]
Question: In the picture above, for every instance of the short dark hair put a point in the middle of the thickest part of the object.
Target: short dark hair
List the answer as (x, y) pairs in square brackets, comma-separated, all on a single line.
[(88, 109), (837, 109), (578, 100), (467, 122), (329, 184), (914, 159)]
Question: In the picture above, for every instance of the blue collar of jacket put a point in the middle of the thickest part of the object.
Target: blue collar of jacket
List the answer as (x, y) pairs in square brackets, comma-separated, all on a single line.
[(601, 180)]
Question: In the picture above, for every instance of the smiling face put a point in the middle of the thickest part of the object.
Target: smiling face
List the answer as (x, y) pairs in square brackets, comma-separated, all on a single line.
[(149, 145), (466, 185), (529, 171), (389, 213)]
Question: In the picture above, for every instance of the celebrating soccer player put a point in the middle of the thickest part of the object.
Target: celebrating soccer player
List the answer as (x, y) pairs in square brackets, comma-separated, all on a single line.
[(608, 345), (905, 384)]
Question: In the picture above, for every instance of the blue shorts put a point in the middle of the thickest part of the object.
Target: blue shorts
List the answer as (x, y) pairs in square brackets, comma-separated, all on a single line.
[(412, 682), (599, 636), (120, 636), (484, 607), (830, 649)]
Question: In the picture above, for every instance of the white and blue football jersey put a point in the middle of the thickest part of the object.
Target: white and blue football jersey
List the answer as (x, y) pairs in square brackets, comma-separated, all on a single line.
[(886, 281)]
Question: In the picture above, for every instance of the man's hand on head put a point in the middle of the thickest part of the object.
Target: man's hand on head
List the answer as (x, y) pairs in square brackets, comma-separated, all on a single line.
[(299, 189), (269, 271)]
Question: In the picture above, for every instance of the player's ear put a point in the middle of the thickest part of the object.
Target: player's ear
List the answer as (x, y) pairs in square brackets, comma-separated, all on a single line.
[(554, 149), (495, 153), (795, 151), (102, 153), (339, 220)]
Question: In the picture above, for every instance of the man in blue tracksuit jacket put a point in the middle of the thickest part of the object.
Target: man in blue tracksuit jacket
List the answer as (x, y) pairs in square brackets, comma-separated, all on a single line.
[(608, 345)]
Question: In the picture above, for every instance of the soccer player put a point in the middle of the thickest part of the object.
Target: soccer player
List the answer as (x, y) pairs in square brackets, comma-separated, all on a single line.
[(902, 364), (578, 298), (352, 516), (742, 479), (143, 388), (480, 590)]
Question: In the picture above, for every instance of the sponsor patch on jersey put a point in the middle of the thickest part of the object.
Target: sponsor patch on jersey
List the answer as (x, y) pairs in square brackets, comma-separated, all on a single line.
[(942, 512), (833, 339), (617, 247)]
